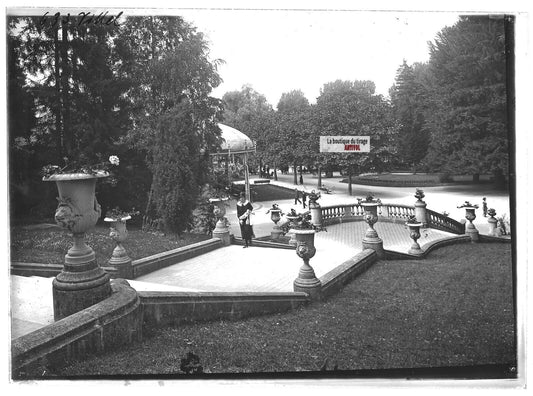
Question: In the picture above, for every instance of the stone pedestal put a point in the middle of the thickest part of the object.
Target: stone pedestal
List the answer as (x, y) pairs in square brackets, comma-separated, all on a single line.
[(421, 213), (493, 226), (371, 239), (307, 281), (82, 282), (316, 214)]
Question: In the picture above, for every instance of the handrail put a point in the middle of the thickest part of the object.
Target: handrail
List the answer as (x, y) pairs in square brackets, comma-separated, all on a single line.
[(440, 222)]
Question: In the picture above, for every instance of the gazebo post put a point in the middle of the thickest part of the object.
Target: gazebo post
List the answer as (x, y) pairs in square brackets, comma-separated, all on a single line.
[(246, 178)]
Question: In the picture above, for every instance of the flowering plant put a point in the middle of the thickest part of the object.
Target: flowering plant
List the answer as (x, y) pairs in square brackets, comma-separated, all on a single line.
[(467, 204), (80, 166), (275, 207), (419, 194), (369, 199), (118, 214), (412, 220)]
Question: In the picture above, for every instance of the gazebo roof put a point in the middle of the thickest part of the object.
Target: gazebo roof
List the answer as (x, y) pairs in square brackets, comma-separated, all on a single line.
[(234, 141)]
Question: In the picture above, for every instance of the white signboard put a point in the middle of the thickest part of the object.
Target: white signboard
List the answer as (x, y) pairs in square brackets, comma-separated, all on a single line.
[(344, 144)]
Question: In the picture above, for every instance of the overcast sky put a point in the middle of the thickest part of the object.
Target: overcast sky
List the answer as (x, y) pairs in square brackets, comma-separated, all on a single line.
[(278, 51)]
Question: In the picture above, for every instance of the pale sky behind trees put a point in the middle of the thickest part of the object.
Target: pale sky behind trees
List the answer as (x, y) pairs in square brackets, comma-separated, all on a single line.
[(276, 51)]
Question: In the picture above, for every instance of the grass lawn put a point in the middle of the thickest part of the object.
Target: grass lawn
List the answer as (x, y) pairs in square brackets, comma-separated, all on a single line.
[(49, 245), (454, 308)]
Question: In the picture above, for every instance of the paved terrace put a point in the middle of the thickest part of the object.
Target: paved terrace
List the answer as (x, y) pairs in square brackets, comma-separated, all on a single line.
[(233, 268)]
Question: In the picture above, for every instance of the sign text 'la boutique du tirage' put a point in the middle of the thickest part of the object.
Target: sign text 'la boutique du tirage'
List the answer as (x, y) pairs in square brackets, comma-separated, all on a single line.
[(344, 144)]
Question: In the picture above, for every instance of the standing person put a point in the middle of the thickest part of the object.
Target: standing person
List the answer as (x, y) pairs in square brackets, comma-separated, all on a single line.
[(297, 196), (301, 178), (304, 198), (244, 211), (484, 207)]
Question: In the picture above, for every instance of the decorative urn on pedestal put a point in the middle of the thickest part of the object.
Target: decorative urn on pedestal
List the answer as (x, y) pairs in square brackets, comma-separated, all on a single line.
[(306, 281), (315, 209), (222, 226), (420, 207), (82, 282), (414, 232), (119, 233), (371, 239), (470, 215), (493, 222), (275, 216)]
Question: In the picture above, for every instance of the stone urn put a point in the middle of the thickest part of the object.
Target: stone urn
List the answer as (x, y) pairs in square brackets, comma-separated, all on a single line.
[(306, 281), (275, 216), (82, 282), (493, 223), (470, 215), (120, 260), (371, 239), (414, 233), (222, 225)]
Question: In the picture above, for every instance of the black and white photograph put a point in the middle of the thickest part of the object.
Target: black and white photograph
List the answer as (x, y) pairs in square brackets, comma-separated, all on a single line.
[(265, 193)]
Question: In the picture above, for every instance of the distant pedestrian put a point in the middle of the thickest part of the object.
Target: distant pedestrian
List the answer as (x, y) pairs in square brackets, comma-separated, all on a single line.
[(484, 207), (297, 196), (301, 178), (304, 198)]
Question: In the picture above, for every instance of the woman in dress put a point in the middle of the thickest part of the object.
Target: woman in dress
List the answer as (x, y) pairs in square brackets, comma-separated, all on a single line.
[(244, 211)]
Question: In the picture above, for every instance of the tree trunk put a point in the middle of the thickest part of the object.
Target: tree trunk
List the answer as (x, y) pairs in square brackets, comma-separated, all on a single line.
[(475, 178), (57, 106), (275, 172), (69, 140), (319, 177), (350, 182), (295, 172)]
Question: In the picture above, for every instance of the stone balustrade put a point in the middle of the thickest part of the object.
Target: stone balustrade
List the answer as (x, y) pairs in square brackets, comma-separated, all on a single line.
[(335, 214)]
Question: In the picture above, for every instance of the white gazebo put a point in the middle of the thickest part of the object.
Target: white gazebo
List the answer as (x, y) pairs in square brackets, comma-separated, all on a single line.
[(236, 144)]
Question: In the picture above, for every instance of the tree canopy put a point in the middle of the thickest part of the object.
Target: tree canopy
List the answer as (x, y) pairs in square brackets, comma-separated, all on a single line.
[(468, 114)]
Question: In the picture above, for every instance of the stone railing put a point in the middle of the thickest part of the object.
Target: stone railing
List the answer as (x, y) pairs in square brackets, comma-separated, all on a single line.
[(389, 212), (353, 212), (341, 213), (396, 211), (444, 223)]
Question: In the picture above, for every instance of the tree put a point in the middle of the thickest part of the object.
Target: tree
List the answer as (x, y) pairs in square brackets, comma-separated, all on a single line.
[(408, 98), (352, 108), (176, 121), (76, 100), (468, 118)]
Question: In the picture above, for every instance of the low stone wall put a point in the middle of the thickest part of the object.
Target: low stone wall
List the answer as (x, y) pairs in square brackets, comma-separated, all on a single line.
[(113, 322), (152, 263), (334, 280), (165, 308)]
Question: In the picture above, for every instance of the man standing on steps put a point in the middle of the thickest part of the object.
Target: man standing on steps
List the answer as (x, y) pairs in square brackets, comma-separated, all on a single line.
[(304, 198)]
